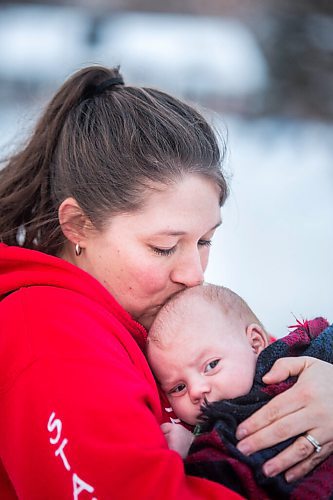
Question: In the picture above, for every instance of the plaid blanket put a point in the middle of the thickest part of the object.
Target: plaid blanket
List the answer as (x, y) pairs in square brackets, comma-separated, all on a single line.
[(214, 455)]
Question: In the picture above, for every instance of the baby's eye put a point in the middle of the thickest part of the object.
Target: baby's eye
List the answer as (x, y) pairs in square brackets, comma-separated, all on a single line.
[(211, 365), (177, 389)]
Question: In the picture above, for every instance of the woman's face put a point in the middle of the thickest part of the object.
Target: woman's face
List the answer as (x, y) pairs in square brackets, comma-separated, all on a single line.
[(143, 258)]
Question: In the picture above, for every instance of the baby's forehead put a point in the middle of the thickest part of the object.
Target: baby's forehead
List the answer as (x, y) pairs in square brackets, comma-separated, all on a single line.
[(181, 321), (184, 305), (166, 330), (172, 316)]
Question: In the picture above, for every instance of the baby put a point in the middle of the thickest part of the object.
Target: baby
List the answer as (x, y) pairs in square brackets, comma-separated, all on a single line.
[(209, 352), (203, 347)]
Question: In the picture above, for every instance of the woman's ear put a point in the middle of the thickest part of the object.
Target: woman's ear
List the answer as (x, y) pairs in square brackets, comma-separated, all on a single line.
[(257, 337), (74, 223)]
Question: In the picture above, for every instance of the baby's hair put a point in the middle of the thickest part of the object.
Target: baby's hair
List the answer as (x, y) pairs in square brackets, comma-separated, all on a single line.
[(231, 304)]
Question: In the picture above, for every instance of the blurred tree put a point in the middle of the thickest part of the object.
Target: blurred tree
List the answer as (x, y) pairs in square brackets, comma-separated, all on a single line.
[(296, 37), (298, 44)]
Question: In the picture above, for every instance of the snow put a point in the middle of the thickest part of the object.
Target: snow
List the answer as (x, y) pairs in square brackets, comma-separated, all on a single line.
[(275, 245), (41, 43), (184, 53)]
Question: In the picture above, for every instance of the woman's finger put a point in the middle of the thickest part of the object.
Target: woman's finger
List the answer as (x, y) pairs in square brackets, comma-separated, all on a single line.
[(301, 451), (274, 411), (290, 401), (306, 407), (281, 430), (307, 465), (286, 367)]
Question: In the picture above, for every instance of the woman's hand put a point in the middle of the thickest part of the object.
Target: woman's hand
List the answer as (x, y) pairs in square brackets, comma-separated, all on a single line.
[(307, 407), (178, 438)]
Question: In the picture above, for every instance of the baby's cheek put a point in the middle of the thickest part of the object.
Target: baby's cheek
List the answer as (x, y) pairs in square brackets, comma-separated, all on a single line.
[(184, 409), (173, 403), (244, 381), (246, 386)]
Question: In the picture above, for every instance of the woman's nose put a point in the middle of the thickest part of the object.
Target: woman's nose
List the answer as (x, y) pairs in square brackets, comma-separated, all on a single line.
[(189, 271)]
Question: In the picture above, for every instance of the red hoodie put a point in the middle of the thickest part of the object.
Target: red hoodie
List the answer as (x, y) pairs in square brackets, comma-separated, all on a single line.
[(79, 407)]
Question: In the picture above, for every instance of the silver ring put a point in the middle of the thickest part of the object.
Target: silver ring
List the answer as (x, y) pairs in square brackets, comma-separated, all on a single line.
[(314, 442)]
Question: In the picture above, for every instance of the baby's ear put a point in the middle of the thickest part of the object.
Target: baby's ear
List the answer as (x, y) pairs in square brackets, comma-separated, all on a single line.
[(257, 337)]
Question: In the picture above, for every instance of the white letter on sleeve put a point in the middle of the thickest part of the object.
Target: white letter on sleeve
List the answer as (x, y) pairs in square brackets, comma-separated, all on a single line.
[(79, 485), (54, 424)]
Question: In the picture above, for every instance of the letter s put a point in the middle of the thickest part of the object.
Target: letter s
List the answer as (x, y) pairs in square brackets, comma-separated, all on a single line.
[(54, 424)]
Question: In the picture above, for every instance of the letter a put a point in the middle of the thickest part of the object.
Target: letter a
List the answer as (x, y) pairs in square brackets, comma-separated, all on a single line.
[(79, 485)]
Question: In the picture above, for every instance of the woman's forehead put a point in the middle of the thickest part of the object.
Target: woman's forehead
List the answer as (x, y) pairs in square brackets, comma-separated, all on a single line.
[(190, 207)]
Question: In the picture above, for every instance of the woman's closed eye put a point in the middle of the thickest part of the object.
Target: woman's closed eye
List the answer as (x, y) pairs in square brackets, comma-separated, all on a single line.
[(204, 243), (164, 251), (177, 390), (171, 250), (211, 365)]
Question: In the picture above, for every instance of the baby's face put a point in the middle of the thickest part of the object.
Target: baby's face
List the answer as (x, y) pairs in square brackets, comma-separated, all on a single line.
[(205, 358)]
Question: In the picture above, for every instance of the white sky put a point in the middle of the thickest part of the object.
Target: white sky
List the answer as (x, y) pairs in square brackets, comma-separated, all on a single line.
[(275, 245)]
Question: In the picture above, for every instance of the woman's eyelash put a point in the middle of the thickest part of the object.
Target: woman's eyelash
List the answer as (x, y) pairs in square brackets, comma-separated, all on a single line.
[(205, 243), (169, 251), (164, 251)]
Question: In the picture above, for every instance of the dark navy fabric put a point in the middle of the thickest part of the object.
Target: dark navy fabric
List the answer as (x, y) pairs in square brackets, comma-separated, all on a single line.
[(213, 453)]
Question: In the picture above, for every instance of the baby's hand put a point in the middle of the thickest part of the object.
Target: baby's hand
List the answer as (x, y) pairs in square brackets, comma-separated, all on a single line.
[(178, 438)]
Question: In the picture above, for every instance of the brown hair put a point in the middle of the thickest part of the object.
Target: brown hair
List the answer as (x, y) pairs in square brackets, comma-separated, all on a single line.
[(104, 149)]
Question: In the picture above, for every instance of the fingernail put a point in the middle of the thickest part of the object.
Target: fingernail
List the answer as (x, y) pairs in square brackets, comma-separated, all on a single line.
[(241, 433), (290, 477), (244, 448), (269, 470)]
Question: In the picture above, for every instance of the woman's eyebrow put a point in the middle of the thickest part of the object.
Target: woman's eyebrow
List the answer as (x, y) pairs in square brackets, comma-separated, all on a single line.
[(168, 232)]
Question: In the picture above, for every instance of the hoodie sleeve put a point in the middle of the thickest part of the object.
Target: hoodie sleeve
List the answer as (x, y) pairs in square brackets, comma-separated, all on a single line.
[(79, 409)]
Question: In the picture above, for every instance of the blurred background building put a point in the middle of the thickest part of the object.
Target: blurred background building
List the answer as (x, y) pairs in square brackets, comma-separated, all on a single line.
[(261, 71)]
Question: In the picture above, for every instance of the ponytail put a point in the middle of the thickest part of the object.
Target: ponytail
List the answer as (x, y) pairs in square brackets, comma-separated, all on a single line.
[(28, 208)]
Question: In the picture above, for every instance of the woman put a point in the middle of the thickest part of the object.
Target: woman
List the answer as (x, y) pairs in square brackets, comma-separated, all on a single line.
[(114, 202)]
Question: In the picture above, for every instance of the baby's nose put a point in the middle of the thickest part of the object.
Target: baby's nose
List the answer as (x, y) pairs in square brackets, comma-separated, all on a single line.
[(198, 392)]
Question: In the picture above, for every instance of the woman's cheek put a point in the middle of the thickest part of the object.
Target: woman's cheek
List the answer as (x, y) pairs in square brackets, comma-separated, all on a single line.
[(154, 279)]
